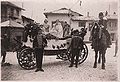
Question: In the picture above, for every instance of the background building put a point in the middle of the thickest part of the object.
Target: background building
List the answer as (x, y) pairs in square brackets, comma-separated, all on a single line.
[(78, 21), (112, 26), (10, 11)]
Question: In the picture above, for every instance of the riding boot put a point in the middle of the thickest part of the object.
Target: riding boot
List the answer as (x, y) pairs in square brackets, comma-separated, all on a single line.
[(95, 65), (103, 65)]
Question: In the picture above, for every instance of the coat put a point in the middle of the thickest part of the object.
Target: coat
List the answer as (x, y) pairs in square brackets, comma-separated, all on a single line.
[(39, 42)]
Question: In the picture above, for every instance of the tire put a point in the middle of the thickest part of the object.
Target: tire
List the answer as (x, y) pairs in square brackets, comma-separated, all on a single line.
[(26, 59)]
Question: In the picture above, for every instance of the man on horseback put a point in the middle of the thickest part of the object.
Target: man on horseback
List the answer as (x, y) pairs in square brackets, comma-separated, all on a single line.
[(103, 24), (100, 40)]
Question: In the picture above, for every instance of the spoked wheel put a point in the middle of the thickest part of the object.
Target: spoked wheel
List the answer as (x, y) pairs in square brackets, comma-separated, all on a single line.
[(82, 55), (62, 56), (27, 59)]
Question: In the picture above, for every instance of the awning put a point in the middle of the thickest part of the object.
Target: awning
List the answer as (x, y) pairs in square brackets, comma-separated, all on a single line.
[(11, 23)]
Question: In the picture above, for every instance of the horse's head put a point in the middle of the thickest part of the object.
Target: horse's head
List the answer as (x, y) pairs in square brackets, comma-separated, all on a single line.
[(30, 31), (96, 31)]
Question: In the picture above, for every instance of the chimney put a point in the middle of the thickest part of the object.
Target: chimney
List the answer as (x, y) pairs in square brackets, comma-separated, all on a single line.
[(87, 14), (114, 13)]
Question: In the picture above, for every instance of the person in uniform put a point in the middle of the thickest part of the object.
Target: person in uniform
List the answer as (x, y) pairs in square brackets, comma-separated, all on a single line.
[(75, 46), (38, 44), (4, 47), (103, 23)]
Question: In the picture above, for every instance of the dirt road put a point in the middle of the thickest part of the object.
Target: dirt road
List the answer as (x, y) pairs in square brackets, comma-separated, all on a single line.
[(58, 70)]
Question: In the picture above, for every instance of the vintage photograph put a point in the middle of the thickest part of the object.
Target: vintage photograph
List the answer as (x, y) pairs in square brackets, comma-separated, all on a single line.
[(59, 40)]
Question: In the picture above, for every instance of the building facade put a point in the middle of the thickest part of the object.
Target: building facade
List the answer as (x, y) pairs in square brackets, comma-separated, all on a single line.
[(112, 26), (78, 21), (62, 14), (10, 11)]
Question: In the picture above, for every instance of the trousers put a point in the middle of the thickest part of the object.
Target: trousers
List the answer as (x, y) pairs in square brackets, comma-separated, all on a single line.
[(75, 56), (39, 57)]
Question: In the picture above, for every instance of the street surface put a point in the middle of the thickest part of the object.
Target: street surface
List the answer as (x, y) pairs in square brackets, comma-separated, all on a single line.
[(58, 70)]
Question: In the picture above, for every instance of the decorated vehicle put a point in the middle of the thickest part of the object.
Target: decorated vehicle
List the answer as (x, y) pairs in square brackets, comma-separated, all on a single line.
[(25, 54)]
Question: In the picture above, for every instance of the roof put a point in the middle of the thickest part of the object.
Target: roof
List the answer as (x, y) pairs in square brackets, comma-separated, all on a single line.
[(112, 17), (86, 18), (10, 4), (10, 23), (62, 11), (27, 18)]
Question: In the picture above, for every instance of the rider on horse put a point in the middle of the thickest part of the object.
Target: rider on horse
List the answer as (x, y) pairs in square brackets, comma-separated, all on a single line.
[(103, 24)]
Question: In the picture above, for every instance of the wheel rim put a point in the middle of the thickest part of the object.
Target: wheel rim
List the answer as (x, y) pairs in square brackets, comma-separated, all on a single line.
[(27, 59), (84, 54)]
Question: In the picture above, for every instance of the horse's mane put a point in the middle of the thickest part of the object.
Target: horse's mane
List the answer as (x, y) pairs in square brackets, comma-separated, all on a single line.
[(98, 36)]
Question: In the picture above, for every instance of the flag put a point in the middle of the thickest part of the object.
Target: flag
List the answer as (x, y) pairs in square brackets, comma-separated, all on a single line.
[(80, 3)]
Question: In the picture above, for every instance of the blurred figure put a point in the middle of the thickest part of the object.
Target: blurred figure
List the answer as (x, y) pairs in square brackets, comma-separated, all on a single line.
[(116, 48), (57, 29), (4, 47), (46, 26), (66, 29)]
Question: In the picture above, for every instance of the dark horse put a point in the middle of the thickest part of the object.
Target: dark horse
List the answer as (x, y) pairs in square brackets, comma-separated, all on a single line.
[(99, 44)]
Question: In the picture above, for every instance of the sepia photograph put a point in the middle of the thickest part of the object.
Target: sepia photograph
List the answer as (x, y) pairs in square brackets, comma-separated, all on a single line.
[(59, 40)]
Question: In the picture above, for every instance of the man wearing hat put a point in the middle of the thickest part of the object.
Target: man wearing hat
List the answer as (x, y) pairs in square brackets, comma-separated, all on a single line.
[(103, 23), (39, 43), (75, 45)]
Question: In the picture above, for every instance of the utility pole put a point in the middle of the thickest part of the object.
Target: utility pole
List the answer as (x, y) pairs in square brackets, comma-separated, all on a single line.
[(109, 9), (70, 14)]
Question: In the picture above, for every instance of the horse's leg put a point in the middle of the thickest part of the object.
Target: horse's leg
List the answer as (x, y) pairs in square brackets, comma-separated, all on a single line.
[(103, 59), (99, 60), (96, 55)]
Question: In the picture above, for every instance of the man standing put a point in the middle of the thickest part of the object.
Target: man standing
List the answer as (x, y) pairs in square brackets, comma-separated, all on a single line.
[(39, 44), (4, 47), (75, 45)]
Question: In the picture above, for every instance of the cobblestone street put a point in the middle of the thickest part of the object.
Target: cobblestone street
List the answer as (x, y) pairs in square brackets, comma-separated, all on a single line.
[(58, 70)]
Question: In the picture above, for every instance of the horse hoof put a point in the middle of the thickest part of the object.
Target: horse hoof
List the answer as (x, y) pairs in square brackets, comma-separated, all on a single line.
[(98, 62), (103, 68), (94, 66)]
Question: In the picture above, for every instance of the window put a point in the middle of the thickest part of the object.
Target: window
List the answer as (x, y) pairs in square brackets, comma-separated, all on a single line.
[(17, 12), (12, 12), (81, 24), (115, 24), (112, 36)]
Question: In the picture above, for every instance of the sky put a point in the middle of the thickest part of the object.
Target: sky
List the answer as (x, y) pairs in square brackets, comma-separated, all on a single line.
[(35, 8)]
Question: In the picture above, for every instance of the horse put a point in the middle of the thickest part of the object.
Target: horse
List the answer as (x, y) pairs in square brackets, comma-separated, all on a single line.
[(99, 44)]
